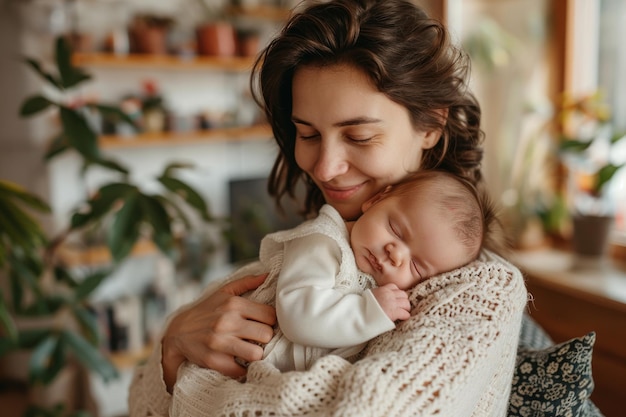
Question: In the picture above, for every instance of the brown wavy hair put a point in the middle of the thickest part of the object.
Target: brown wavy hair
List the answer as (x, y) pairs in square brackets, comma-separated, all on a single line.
[(408, 56)]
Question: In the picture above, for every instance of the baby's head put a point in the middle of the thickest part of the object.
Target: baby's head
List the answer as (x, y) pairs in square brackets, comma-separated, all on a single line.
[(430, 223)]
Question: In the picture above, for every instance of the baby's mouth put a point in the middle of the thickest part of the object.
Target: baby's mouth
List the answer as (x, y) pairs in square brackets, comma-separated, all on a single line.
[(374, 262)]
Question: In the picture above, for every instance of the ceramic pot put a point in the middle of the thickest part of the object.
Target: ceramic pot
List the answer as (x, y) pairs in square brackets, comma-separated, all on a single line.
[(216, 39), (591, 234), (248, 44), (148, 40)]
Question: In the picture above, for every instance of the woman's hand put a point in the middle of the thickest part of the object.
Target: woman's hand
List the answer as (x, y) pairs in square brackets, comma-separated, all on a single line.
[(220, 327)]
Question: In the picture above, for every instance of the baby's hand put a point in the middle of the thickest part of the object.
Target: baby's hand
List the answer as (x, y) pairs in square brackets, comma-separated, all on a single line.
[(393, 301)]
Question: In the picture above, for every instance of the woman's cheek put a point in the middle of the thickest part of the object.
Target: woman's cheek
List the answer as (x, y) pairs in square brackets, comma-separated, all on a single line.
[(304, 156)]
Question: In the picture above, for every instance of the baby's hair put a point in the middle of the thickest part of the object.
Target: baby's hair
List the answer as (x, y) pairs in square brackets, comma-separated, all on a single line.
[(469, 209)]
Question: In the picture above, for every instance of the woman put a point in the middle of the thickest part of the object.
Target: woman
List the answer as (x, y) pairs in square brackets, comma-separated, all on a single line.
[(359, 93)]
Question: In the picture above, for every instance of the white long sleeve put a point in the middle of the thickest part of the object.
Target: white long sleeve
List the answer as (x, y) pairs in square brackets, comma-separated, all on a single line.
[(324, 305), (311, 311)]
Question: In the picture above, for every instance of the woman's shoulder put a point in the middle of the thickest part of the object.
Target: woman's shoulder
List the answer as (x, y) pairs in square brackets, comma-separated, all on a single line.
[(489, 276)]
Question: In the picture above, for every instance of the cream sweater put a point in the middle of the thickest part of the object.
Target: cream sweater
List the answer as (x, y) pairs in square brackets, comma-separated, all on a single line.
[(454, 357)]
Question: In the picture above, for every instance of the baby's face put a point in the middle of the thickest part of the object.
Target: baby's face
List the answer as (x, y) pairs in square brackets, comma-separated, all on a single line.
[(404, 240)]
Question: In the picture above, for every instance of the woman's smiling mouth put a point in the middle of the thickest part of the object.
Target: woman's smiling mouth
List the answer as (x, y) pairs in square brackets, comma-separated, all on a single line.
[(334, 193)]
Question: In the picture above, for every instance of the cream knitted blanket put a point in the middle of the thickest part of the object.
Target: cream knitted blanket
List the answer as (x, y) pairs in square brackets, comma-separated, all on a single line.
[(454, 357)]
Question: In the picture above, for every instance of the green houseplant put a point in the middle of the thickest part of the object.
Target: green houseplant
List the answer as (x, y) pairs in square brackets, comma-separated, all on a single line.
[(37, 284), (585, 147)]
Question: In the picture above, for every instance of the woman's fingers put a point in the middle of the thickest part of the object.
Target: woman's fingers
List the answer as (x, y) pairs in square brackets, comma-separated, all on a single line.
[(215, 330), (245, 308), (243, 285)]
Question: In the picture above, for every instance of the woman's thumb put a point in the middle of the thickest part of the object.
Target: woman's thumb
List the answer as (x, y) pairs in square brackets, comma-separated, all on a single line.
[(244, 284)]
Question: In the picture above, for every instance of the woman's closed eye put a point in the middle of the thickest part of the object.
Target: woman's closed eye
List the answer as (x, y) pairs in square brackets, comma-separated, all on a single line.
[(360, 139), (308, 136)]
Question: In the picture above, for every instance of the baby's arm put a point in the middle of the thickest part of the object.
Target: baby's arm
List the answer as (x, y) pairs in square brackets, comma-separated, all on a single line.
[(394, 301), (311, 311)]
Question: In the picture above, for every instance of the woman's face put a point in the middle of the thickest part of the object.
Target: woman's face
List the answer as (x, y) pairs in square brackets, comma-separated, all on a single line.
[(351, 139)]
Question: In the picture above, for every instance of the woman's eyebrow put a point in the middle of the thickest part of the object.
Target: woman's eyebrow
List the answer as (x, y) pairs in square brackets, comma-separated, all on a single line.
[(358, 121), (350, 122)]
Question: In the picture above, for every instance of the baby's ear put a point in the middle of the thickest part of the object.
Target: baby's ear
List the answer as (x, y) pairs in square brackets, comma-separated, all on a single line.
[(375, 199)]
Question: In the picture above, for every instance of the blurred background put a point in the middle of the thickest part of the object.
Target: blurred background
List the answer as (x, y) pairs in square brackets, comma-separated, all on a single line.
[(162, 87)]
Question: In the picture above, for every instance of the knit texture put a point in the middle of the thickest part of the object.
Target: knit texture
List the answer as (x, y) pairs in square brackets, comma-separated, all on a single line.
[(454, 357)]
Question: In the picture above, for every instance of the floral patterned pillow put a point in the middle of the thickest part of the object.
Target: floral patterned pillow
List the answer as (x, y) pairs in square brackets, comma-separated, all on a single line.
[(554, 381)]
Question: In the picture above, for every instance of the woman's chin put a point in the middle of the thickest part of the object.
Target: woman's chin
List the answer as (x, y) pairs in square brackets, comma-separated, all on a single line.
[(347, 211)]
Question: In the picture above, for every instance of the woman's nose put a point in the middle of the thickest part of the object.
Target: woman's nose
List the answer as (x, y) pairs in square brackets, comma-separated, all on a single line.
[(331, 162)]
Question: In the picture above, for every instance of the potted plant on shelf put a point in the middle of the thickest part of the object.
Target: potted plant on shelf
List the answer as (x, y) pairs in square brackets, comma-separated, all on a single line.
[(44, 308), (148, 34), (585, 146), (215, 35)]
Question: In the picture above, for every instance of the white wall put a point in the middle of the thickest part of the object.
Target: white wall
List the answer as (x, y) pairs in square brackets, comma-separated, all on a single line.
[(19, 157)]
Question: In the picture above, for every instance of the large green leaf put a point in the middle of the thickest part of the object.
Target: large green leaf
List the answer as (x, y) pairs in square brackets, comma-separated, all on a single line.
[(56, 363), (20, 193), (113, 114), (102, 203), (7, 345), (173, 166), (19, 227), (43, 305), (26, 268), (34, 105), (56, 147), (41, 357), (70, 75), (605, 174), (30, 338), (573, 145), (160, 221), (88, 323), (17, 289), (34, 410), (54, 81), (112, 165), (81, 413), (89, 284), (63, 275), (180, 213), (6, 321), (617, 137), (78, 133), (125, 229), (46, 305), (89, 355), (187, 193), (47, 359)]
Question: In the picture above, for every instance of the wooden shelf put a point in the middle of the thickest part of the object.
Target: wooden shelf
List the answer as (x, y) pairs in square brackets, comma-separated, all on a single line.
[(130, 61), (100, 255), (257, 132), (129, 360)]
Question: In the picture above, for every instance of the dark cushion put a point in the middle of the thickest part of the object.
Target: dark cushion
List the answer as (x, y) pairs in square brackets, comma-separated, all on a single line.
[(554, 380)]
